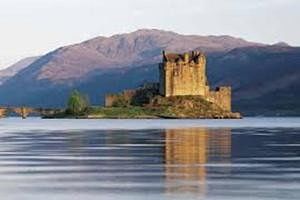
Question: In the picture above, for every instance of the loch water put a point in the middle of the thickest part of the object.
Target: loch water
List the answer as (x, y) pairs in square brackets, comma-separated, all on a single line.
[(252, 158)]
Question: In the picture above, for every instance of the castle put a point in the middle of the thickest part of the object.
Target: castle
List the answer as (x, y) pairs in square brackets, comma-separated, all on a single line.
[(179, 75), (185, 75)]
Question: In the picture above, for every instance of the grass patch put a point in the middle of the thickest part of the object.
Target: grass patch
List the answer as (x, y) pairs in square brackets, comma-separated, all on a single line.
[(160, 107), (122, 112)]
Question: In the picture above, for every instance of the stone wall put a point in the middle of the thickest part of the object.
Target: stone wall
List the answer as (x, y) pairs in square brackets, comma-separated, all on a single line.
[(137, 97), (124, 97), (110, 99), (182, 75), (221, 97)]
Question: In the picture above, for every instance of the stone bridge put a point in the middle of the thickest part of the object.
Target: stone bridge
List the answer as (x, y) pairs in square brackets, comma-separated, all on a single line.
[(24, 112)]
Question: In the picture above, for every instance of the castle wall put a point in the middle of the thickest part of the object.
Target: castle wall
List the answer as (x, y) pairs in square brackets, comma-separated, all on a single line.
[(125, 96), (137, 97), (221, 97), (183, 78), (110, 99)]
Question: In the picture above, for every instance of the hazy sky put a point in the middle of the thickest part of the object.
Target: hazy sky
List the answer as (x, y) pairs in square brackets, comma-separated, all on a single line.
[(34, 27)]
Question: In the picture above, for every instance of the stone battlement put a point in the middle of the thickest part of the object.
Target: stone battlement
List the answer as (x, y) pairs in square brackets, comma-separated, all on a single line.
[(192, 58)]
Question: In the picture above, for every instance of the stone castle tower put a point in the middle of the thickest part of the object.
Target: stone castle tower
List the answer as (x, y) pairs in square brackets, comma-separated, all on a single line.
[(185, 75), (182, 75)]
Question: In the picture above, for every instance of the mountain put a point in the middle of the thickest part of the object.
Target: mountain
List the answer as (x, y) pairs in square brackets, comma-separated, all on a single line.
[(12, 70), (264, 77), (281, 44), (139, 48), (265, 80)]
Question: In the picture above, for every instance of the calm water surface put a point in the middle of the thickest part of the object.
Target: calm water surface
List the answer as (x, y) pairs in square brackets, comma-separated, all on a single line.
[(253, 158)]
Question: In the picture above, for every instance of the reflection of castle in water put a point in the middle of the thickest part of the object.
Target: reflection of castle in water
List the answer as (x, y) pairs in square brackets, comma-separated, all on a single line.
[(186, 153)]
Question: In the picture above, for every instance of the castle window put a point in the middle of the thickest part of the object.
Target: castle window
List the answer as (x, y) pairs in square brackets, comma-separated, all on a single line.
[(176, 72)]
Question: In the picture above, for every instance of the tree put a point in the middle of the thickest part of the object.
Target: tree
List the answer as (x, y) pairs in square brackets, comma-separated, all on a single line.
[(78, 104)]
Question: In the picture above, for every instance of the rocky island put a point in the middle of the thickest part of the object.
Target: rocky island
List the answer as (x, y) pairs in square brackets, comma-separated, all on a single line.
[(182, 92)]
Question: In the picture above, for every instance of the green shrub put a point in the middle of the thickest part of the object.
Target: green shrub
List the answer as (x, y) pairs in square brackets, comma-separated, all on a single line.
[(78, 104)]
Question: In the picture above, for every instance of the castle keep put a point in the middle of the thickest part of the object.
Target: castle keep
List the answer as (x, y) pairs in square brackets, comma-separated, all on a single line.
[(182, 75), (185, 75)]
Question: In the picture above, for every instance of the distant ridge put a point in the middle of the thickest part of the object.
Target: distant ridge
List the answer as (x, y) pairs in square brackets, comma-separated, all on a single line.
[(10, 71), (281, 44), (124, 50)]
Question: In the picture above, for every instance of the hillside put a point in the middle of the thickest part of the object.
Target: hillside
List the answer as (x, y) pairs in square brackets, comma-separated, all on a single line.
[(263, 77), (265, 80), (12, 70), (138, 48)]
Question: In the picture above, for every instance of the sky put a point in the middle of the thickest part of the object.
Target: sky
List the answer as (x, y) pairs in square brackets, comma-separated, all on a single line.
[(35, 27)]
